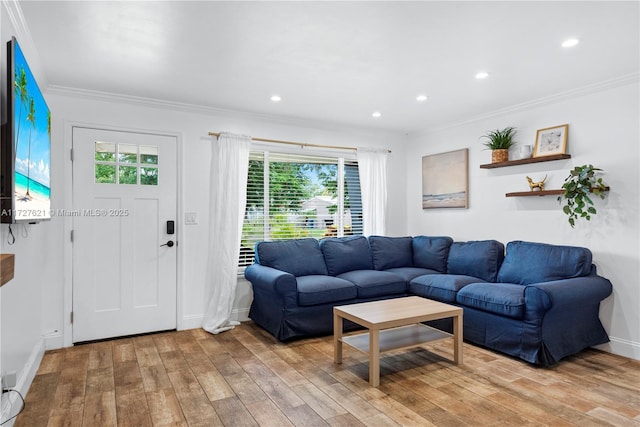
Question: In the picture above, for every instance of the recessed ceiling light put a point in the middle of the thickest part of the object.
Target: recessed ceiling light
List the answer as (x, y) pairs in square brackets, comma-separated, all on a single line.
[(376, 114), (276, 98), (570, 42), (421, 98), (482, 75)]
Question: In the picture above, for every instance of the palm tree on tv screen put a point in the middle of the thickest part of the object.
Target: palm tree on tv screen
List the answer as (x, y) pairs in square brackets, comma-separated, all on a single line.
[(20, 84), (31, 117)]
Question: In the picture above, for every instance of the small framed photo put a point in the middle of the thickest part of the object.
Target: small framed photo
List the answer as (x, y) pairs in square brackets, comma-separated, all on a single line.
[(551, 141)]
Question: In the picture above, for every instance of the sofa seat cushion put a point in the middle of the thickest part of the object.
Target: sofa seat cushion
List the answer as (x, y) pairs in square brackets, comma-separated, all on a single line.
[(440, 287), (410, 273), (343, 254), (504, 299), (315, 289), (300, 257), (372, 283), (391, 252), (527, 263), (431, 252)]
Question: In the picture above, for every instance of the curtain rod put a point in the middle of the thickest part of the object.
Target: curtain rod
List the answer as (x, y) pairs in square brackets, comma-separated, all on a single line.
[(300, 144)]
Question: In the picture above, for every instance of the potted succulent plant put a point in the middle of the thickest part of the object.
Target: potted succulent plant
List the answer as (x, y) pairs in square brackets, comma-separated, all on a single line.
[(582, 181), (499, 141)]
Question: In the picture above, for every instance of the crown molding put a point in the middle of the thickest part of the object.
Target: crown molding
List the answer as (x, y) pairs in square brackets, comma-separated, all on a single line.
[(211, 110), (14, 12), (623, 80), (23, 35), (315, 124)]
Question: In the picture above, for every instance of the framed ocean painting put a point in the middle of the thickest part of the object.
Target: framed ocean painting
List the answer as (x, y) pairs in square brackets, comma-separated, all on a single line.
[(445, 180)]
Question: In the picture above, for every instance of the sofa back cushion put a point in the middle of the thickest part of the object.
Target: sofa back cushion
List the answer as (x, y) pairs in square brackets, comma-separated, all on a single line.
[(431, 252), (528, 262), (342, 254), (300, 257), (481, 258), (391, 252)]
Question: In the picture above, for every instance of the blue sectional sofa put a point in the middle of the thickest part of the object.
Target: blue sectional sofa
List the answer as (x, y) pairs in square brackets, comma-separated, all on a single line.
[(535, 301)]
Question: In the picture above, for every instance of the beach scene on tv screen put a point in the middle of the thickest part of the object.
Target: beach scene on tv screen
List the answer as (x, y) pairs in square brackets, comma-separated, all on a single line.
[(32, 139)]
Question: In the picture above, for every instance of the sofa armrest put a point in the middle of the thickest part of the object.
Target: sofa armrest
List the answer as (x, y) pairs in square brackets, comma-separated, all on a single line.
[(576, 291), (565, 296), (269, 280), (566, 313)]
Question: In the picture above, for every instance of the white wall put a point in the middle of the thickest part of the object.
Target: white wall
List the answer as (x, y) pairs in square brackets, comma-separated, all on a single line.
[(22, 303), (192, 127), (603, 130)]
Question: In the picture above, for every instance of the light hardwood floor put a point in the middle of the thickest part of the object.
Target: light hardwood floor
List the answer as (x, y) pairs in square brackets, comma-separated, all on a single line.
[(244, 377)]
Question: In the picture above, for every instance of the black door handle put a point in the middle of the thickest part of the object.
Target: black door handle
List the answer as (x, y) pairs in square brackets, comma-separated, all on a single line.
[(169, 243)]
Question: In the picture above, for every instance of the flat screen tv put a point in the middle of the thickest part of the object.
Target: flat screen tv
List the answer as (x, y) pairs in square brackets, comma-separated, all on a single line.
[(26, 145)]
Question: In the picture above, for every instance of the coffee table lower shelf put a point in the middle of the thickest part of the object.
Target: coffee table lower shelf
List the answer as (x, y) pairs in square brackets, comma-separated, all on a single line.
[(394, 324), (400, 338)]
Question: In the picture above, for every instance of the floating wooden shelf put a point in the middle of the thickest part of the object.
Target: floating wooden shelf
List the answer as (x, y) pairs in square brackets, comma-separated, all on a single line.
[(539, 193), (535, 193), (526, 161), (7, 262)]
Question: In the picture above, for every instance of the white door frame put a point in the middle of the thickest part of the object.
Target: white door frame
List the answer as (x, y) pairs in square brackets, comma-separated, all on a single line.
[(67, 332)]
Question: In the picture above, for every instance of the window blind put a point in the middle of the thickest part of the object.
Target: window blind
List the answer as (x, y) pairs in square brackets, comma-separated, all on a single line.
[(299, 195)]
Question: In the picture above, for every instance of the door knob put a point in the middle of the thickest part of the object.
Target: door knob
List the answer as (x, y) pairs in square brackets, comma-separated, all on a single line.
[(169, 243)]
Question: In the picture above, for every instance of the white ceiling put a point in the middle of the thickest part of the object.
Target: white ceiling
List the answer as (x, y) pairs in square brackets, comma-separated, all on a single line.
[(336, 62)]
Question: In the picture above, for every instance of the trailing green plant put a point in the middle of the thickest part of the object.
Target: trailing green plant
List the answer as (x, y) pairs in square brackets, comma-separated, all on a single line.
[(500, 138), (577, 187)]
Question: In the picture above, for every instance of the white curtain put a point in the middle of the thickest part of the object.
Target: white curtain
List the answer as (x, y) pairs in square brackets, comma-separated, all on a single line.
[(229, 168), (372, 166)]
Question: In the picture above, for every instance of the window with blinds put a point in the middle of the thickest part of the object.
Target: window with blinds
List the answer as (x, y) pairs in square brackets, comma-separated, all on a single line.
[(294, 196)]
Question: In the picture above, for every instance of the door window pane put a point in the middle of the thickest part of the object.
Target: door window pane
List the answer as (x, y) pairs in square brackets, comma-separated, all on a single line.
[(105, 174), (128, 174), (148, 155), (105, 152), (148, 175), (127, 153)]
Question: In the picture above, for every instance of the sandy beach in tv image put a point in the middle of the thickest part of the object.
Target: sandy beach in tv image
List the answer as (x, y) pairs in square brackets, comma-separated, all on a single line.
[(32, 139), (31, 202)]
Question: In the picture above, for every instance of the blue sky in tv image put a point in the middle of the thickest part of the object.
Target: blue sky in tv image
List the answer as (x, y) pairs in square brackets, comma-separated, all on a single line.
[(32, 139)]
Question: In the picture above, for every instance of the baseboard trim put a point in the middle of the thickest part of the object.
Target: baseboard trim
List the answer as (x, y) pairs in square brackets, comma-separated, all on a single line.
[(621, 347), (191, 322), (23, 382), (195, 321), (241, 315), (53, 341)]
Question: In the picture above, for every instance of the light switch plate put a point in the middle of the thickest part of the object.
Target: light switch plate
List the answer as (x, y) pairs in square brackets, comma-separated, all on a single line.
[(190, 218)]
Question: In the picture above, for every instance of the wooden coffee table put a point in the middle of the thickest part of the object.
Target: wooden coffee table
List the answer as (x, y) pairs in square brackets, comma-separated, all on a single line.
[(394, 324)]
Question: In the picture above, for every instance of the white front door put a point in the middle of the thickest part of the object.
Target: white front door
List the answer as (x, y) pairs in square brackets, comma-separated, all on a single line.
[(124, 194)]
